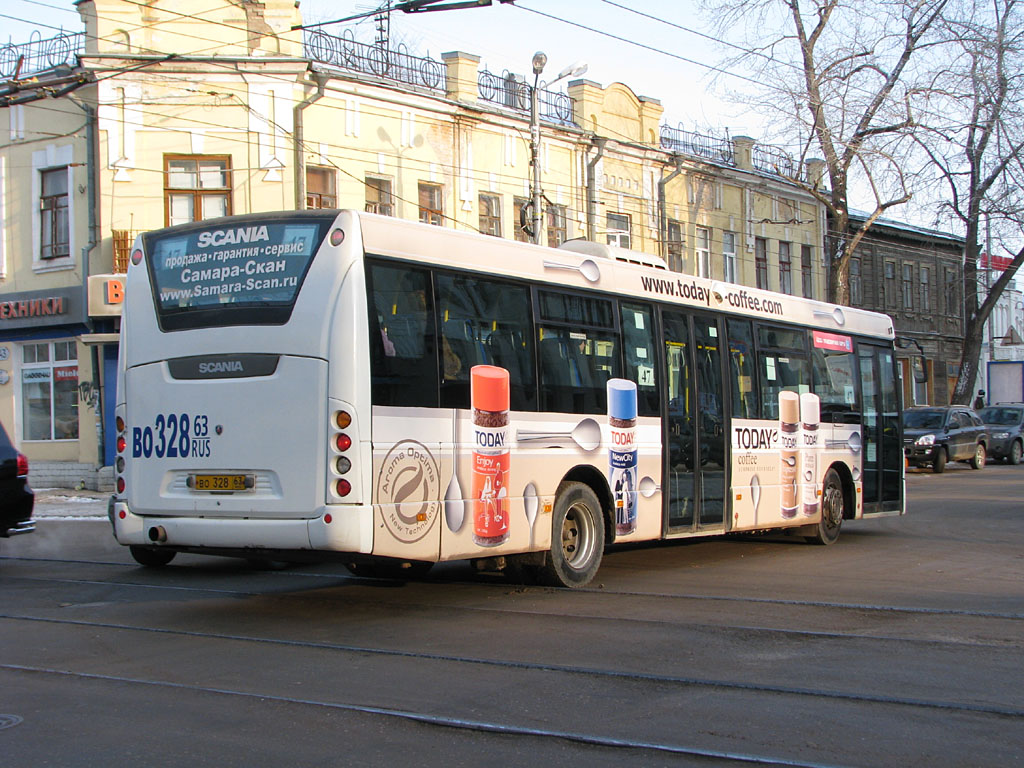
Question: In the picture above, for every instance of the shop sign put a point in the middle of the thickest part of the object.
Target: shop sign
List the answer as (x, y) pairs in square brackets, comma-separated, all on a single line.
[(37, 309), (106, 295)]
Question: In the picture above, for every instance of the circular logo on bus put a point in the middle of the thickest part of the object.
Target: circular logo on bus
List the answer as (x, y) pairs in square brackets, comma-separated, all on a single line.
[(409, 491)]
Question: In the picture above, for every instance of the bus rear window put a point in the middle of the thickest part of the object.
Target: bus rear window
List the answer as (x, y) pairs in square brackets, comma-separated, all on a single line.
[(248, 272)]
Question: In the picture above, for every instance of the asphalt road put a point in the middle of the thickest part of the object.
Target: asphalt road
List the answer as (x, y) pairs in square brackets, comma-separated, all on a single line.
[(901, 645)]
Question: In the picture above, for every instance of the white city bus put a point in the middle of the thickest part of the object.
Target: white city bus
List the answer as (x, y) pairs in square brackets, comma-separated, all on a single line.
[(308, 384)]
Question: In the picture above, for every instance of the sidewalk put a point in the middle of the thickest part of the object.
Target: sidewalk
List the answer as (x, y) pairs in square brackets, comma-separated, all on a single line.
[(58, 503)]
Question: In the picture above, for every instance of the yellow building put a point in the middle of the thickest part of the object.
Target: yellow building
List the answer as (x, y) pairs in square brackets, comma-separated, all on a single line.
[(162, 115)]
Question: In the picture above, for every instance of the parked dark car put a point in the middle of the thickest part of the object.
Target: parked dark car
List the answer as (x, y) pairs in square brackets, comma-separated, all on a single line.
[(933, 435), (1006, 429), (16, 497)]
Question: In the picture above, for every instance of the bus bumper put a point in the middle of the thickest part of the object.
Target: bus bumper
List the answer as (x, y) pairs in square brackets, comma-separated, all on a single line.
[(337, 528)]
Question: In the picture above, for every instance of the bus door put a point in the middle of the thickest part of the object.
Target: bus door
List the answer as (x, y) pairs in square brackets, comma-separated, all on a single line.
[(882, 447), (695, 446)]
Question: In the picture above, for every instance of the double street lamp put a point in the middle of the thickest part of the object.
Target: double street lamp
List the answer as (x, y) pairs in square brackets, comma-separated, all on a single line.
[(539, 61)]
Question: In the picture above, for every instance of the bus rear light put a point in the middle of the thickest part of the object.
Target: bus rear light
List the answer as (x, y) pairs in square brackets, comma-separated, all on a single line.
[(136, 257), (119, 423), (328, 518), (344, 487), (342, 419), (337, 237), (120, 464), (343, 465), (122, 514), (121, 444), (344, 442), (120, 485)]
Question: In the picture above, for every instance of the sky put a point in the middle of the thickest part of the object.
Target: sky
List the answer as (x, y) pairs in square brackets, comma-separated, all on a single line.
[(676, 66)]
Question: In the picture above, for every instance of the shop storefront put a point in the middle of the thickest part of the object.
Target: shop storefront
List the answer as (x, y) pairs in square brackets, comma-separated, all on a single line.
[(58, 366)]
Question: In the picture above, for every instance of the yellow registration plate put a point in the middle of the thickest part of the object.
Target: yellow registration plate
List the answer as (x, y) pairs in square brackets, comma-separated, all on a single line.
[(220, 483)]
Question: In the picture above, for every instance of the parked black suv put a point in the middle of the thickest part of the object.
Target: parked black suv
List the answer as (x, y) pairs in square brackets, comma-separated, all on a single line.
[(16, 497), (1006, 429), (937, 434)]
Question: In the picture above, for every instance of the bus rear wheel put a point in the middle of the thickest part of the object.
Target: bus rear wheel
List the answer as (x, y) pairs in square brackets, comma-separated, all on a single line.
[(833, 508), (152, 557), (577, 537)]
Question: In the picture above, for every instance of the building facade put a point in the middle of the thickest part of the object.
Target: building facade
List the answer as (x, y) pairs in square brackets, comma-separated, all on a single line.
[(915, 276), (162, 113)]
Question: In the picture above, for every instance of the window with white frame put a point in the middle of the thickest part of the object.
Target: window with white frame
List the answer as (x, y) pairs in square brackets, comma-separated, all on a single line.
[(49, 390), (703, 252), (54, 236), (785, 268), (729, 256), (674, 246), (490, 214), (618, 230)]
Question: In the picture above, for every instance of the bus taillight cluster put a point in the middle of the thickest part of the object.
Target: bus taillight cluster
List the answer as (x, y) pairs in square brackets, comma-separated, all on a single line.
[(342, 443), (122, 445)]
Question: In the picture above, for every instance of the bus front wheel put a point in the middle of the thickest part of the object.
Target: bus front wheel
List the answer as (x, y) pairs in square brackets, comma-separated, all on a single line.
[(577, 537), (833, 508), (152, 557)]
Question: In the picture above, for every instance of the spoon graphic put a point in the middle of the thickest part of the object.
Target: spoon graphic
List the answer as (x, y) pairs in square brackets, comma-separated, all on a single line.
[(586, 434), (852, 442), (648, 487), (454, 506), (836, 315), (755, 493), (588, 268), (530, 504)]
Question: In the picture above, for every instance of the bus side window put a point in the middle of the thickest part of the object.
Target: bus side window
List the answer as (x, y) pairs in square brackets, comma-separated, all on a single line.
[(782, 365), (834, 382), (484, 322), (742, 373), (639, 352), (578, 352), (403, 353)]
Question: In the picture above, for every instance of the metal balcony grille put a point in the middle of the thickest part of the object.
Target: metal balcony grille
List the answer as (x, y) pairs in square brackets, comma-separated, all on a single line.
[(390, 64), (38, 55)]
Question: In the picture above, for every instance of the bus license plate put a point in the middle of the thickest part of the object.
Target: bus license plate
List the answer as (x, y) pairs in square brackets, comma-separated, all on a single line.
[(220, 483)]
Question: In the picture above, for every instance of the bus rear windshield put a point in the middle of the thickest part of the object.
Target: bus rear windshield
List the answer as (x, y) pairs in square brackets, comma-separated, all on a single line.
[(241, 271)]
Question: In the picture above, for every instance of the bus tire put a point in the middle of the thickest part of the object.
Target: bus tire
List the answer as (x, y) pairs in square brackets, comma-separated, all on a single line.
[(939, 464), (577, 537), (833, 509), (151, 557)]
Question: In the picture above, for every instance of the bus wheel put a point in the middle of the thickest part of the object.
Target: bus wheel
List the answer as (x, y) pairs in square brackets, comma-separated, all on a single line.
[(577, 537), (833, 505), (152, 557)]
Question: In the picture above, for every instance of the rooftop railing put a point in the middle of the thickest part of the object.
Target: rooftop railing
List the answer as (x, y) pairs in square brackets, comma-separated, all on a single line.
[(391, 64), (719, 150), (512, 91), (38, 55)]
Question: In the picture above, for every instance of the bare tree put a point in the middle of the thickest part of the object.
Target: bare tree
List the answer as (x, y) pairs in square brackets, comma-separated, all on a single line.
[(973, 137), (844, 70)]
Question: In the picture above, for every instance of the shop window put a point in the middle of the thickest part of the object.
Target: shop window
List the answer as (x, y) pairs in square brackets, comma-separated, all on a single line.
[(49, 390)]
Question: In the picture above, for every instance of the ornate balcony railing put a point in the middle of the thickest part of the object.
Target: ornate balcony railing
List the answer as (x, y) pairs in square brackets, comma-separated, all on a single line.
[(38, 55), (512, 91), (774, 160), (391, 64), (698, 144)]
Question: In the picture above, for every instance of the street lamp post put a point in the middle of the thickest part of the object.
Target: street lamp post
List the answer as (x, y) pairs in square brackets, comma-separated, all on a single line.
[(537, 196)]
